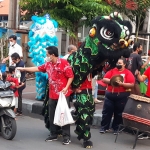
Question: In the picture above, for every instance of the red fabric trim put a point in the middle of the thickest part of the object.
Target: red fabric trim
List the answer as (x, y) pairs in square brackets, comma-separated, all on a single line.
[(136, 118), (101, 83)]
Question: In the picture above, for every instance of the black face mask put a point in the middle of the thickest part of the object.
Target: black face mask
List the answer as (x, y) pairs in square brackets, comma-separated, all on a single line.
[(140, 52), (118, 66)]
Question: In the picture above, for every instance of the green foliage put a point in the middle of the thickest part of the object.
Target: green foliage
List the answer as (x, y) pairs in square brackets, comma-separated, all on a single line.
[(67, 13), (131, 8), (135, 10)]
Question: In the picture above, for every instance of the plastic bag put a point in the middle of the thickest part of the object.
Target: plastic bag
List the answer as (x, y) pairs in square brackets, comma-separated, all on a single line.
[(2, 67), (18, 74), (13, 101), (62, 113)]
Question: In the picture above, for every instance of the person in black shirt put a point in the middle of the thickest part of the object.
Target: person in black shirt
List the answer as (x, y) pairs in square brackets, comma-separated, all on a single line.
[(135, 64), (19, 63)]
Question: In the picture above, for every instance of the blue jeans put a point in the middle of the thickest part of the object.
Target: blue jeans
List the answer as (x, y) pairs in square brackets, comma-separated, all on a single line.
[(95, 90)]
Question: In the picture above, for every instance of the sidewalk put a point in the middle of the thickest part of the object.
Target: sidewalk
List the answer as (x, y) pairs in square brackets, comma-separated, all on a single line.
[(30, 105)]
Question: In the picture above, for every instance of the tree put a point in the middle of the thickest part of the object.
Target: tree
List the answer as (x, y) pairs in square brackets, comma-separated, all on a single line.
[(68, 13), (3, 46), (135, 10)]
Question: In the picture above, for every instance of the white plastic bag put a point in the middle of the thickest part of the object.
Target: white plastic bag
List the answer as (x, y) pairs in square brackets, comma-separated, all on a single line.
[(13, 101), (18, 74), (62, 113)]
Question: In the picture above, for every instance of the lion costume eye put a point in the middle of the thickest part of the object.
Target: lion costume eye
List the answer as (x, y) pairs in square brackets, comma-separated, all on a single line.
[(92, 32), (106, 34)]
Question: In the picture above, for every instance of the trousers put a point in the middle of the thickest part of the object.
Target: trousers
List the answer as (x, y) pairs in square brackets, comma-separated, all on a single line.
[(54, 128), (114, 104), (19, 110)]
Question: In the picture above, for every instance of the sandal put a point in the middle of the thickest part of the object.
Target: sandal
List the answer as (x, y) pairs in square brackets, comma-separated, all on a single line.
[(18, 114), (96, 101), (59, 135), (87, 144)]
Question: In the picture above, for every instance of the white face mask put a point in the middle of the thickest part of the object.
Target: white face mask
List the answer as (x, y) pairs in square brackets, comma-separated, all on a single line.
[(11, 43), (48, 59)]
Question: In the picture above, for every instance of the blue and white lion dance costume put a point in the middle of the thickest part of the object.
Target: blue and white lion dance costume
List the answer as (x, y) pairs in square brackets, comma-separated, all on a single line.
[(42, 34)]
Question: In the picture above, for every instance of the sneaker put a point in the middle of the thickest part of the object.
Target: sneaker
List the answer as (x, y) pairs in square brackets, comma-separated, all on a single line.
[(102, 131), (51, 138), (116, 132), (66, 141), (143, 137)]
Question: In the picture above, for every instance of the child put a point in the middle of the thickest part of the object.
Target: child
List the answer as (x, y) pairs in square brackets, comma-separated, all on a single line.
[(15, 85)]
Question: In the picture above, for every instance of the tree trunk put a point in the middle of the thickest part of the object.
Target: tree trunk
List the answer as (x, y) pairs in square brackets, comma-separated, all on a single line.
[(145, 30), (74, 39), (138, 27), (145, 26)]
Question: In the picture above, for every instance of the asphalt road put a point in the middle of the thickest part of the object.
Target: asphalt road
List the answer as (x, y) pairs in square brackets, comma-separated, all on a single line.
[(31, 135)]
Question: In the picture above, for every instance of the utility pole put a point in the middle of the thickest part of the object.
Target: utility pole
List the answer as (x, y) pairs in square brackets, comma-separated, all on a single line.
[(148, 30), (12, 23), (18, 14)]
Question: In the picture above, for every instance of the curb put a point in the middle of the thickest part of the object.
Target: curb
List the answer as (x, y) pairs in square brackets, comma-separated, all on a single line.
[(30, 106), (97, 118), (35, 107)]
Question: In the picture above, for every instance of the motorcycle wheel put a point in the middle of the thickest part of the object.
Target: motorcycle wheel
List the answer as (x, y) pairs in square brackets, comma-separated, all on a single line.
[(9, 131)]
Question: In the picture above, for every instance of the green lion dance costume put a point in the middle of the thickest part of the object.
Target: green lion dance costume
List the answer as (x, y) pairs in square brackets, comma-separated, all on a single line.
[(108, 40)]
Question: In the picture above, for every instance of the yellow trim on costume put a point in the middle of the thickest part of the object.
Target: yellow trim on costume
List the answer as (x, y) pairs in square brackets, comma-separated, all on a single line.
[(128, 89)]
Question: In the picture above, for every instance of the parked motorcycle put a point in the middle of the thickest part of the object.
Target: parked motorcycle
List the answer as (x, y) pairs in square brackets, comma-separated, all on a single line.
[(8, 125)]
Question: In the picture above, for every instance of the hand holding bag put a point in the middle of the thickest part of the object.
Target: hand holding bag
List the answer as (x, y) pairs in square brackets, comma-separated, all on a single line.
[(62, 113)]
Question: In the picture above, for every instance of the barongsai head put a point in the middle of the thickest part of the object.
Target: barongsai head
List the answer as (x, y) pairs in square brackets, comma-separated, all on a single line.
[(111, 31), (108, 40)]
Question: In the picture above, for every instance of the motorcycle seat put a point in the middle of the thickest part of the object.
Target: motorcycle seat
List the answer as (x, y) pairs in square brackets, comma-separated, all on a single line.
[(7, 93)]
